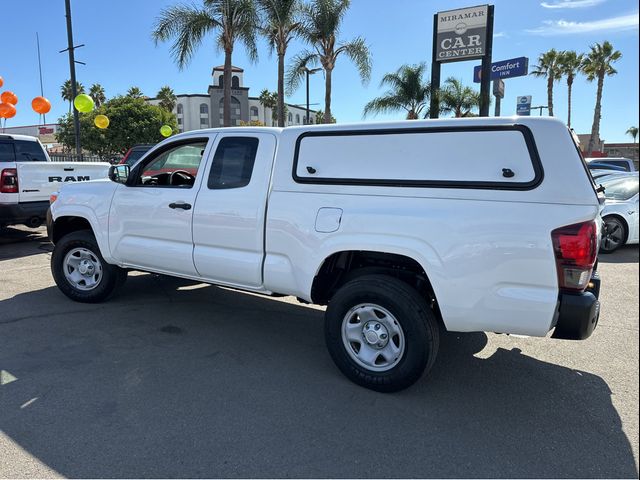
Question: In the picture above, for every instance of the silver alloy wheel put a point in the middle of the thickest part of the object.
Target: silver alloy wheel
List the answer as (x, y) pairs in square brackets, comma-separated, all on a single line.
[(373, 337), (82, 269), (613, 235)]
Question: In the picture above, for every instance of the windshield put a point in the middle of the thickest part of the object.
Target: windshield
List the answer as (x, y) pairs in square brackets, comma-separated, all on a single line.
[(620, 188)]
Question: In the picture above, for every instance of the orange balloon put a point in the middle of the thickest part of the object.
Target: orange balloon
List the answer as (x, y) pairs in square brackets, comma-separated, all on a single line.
[(41, 105), (9, 97), (1, 81), (7, 110)]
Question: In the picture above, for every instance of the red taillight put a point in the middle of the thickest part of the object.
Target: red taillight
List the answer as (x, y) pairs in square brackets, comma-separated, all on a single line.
[(576, 249), (9, 181)]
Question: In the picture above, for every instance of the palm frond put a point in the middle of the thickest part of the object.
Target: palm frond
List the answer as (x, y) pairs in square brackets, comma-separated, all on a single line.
[(296, 72), (358, 51)]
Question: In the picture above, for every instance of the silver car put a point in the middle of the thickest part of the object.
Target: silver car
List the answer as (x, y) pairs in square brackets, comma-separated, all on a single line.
[(620, 212)]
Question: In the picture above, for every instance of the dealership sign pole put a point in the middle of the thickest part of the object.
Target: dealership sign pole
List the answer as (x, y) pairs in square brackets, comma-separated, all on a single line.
[(462, 34)]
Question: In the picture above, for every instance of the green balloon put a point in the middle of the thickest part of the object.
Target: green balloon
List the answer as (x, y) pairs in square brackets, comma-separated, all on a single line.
[(166, 131), (83, 103)]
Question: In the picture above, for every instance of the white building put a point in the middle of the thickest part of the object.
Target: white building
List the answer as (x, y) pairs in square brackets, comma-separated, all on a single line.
[(204, 110)]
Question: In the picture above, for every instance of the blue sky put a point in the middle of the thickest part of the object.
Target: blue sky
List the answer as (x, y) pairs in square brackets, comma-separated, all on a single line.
[(119, 53)]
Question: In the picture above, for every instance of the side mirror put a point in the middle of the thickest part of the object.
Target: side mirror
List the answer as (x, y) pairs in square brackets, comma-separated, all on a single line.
[(119, 173)]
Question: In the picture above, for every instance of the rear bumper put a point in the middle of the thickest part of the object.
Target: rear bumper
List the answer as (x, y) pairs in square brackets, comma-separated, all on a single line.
[(577, 314), (15, 213)]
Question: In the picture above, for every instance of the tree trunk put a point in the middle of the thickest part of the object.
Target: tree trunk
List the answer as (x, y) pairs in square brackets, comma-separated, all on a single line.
[(595, 128), (226, 89), (569, 85), (281, 89), (327, 96), (550, 95)]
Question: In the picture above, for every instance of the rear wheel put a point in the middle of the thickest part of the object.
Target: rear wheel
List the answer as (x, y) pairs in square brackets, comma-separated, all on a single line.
[(381, 333), (80, 271), (614, 234)]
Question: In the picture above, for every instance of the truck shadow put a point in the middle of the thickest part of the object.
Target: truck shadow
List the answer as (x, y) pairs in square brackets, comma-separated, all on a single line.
[(177, 379), (23, 242), (625, 254)]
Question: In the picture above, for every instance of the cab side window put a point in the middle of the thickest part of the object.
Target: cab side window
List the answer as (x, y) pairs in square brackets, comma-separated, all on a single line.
[(29, 151), (232, 164), (176, 167)]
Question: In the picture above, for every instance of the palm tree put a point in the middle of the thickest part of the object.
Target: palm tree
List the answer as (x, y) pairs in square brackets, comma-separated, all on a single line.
[(167, 98), (569, 64), (232, 20), (408, 91), (596, 64), (97, 93), (67, 93), (458, 99), (548, 68), (268, 100), (281, 26), (633, 131), (322, 20), (135, 92)]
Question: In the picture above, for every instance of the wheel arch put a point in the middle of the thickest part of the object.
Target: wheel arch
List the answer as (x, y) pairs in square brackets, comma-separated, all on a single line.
[(66, 221), (342, 266)]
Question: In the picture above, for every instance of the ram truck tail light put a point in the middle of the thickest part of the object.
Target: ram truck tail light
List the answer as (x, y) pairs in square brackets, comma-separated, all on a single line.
[(9, 180), (576, 249)]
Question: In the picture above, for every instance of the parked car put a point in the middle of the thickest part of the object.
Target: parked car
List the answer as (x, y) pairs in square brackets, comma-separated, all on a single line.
[(365, 219), (135, 153), (597, 174), (28, 177), (625, 163), (605, 166), (620, 213)]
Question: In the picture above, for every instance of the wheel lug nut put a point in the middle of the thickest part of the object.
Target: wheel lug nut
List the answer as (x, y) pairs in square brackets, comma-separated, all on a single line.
[(383, 336), (377, 327)]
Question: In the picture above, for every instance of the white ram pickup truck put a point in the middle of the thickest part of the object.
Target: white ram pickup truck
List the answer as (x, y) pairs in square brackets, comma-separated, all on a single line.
[(400, 229), (28, 177)]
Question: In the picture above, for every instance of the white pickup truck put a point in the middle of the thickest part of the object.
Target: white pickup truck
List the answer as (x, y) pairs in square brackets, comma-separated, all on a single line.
[(400, 229), (28, 177)]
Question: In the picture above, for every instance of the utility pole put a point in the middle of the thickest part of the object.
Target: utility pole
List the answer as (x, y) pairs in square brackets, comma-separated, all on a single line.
[(44, 116), (72, 70), (309, 72)]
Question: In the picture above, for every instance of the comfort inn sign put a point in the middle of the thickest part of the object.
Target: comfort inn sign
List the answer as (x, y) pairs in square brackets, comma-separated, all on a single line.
[(461, 34)]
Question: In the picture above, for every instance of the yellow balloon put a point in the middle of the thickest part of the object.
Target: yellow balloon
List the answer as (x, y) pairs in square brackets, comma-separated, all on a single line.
[(101, 121), (83, 103), (166, 131)]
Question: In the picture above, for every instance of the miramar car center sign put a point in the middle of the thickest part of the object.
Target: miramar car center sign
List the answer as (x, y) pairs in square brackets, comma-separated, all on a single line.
[(461, 34)]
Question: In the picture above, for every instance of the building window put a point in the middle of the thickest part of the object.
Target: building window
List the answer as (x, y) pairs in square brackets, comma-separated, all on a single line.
[(204, 121), (235, 82), (221, 81), (290, 118), (297, 119), (204, 108), (254, 112), (179, 121), (179, 109), (235, 110)]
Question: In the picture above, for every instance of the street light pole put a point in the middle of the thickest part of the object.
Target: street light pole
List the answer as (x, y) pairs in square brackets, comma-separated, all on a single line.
[(72, 71), (539, 108), (309, 72)]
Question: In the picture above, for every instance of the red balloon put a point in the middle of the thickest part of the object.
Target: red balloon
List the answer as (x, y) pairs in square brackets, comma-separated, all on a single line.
[(1, 81), (41, 105), (7, 110), (9, 97)]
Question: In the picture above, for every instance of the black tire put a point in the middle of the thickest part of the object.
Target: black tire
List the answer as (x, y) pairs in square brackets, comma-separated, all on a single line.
[(614, 234), (415, 318), (112, 275)]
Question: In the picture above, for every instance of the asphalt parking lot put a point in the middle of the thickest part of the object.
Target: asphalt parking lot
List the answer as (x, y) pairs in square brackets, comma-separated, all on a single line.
[(176, 379)]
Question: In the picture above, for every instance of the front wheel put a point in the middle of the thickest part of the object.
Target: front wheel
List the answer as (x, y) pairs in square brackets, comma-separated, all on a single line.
[(613, 235), (381, 333), (80, 271)]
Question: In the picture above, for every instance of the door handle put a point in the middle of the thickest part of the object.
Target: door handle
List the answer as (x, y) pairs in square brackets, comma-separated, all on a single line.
[(182, 205)]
